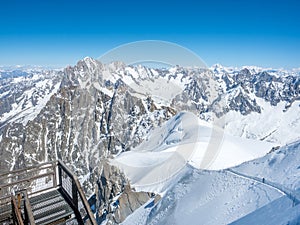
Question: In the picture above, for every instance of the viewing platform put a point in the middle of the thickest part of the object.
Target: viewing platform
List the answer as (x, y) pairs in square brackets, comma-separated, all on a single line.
[(44, 194)]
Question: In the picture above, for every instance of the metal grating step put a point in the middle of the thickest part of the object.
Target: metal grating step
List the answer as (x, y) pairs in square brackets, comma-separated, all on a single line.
[(46, 203), (50, 208), (55, 214), (5, 213), (44, 196), (6, 220), (63, 202)]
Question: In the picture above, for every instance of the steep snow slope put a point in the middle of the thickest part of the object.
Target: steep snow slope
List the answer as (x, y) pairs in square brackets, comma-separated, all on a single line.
[(279, 211), (206, 197), (223, 197), (281, 166), (195, 196), (182, 140), (23, 96), (32, 101), (276, 124), (91, 111)]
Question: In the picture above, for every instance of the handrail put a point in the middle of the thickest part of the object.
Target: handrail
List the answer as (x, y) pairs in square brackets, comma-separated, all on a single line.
[(16, 212), (26, 180), (79, 190), (25, 169), (36, 169), (27, 209), (63, 179)]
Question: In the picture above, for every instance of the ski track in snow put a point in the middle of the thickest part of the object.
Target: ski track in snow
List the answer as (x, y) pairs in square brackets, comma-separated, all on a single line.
[(280, 188), (182, 140)]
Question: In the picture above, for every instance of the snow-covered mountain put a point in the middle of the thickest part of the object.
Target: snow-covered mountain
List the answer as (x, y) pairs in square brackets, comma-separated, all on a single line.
[(261, 191), (124, 128), (183, 141)]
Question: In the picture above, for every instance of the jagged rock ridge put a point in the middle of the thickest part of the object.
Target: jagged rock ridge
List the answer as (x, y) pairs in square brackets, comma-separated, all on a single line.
[(91, 111)]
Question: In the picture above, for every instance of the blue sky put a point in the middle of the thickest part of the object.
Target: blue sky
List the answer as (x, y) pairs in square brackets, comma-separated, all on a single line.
[(232, 32)]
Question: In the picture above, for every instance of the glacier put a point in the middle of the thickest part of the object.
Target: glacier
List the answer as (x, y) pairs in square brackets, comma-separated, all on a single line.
[(161, 145)]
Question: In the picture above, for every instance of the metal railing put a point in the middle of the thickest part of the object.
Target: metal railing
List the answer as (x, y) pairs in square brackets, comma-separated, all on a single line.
[(72, 190), (16, 211), (34, 180), (21, 209), (27, 210)]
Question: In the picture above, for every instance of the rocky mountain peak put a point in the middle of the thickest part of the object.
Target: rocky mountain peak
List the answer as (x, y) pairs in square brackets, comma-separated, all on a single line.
[(90, 112)]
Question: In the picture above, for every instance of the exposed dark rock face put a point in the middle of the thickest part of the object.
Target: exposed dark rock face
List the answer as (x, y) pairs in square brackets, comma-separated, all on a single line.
[(264, 85), (90, 112), (116, 199)]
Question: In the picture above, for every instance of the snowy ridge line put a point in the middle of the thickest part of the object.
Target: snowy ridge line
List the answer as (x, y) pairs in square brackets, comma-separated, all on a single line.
[(296, 142), (292, 195)]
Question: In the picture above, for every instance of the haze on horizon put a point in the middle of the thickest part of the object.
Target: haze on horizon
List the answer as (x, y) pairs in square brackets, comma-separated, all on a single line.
[(232, 33)]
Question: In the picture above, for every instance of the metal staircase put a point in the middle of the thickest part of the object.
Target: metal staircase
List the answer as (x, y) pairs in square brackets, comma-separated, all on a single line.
[(45, 194)]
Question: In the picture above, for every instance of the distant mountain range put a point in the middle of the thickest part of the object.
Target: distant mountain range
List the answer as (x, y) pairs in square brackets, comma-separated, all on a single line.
[(91, 115)]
